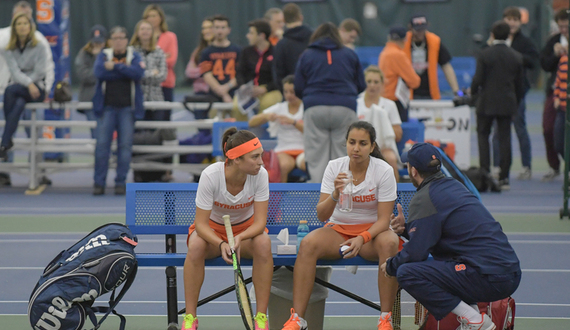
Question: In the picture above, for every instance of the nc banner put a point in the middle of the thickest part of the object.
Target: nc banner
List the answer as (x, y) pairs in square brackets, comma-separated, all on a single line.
[(52, 17)]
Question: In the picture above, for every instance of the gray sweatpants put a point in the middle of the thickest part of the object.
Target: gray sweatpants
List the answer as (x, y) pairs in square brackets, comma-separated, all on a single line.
[(324, 136)]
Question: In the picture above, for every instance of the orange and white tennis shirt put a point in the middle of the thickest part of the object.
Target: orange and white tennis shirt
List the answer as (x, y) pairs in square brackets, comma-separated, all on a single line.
[(378, 186), (213, 195)]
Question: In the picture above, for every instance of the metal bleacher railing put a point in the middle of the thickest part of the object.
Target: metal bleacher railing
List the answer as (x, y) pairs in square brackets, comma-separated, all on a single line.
[(36, 145)]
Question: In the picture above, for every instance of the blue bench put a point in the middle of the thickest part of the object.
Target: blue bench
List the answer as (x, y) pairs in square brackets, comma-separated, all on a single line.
[(169, 208)]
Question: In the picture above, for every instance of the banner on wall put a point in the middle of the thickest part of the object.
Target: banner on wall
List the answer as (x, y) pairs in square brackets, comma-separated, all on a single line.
[(52, 17)]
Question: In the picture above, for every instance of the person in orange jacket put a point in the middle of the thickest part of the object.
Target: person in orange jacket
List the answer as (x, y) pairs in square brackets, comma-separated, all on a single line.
[(426, 51), (395, 66)]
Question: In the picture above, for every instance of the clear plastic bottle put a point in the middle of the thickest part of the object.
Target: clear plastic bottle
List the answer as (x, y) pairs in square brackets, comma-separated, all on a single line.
[(302, 231), (345, 198)]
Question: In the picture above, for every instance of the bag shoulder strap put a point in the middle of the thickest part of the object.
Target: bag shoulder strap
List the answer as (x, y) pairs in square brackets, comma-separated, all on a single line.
[(112, 304)]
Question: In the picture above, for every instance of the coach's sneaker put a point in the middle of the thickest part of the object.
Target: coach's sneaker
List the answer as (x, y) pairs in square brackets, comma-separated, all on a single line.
[(525, 174), (485, 324), (295, 322), (260, 321), (385, 323), (550, 175), (190, 322)]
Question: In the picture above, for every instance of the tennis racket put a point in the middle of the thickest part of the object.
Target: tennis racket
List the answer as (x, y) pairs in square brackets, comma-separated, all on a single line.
[(244, 303)]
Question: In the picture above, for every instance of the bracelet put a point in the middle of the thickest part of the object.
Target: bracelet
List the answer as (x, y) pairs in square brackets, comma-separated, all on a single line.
[(334, 200), (220, 246), (366, 236)]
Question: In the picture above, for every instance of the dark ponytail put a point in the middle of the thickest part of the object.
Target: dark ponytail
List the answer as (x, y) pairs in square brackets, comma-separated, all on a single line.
[(233, 138), (364, 125)]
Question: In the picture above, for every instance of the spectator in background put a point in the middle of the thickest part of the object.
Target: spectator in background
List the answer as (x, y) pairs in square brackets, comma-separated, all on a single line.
[(295, 41), (26, 60), (117, 103), (153, 61), (382, 114), (256, 63), (525, 46), (397, 67), (168, 42), (498, 88), (218, 61), (549, 58), (560, 99), (192, 69), (426, 51), (277, 22), (25, 7), (349, 31), (286, 120), (84, 63), (328, 79)]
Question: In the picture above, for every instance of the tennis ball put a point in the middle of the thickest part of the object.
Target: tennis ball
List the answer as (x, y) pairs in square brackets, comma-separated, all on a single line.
[(342, 249)]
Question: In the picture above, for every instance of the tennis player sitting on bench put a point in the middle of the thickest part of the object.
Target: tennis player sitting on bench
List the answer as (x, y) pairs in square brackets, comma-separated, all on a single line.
[(365, 228), (472, 258), (239, 188)]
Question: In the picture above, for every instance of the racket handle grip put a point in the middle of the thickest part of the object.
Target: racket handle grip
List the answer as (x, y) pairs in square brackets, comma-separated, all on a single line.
[(229, 231)]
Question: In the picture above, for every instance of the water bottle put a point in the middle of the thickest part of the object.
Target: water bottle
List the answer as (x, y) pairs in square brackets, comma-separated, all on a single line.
[(302, 231), (345, 198)]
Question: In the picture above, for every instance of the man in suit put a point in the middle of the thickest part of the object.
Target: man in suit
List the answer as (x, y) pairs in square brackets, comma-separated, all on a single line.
[(498, 89)]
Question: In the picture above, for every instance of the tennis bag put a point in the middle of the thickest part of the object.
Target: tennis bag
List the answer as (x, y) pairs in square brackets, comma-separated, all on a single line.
[(95, 265), (501, 312)]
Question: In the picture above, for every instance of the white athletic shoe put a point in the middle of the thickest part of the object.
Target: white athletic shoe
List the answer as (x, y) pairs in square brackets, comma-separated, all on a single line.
[(485, 324), (525, 174)]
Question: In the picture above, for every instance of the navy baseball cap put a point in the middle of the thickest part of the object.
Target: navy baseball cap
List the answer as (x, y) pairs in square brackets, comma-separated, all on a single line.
[(420, 155), (419, 22), (397, 32), (98, 34)]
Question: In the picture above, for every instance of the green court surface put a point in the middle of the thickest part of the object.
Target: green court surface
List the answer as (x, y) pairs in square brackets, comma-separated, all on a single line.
[(234, 322)]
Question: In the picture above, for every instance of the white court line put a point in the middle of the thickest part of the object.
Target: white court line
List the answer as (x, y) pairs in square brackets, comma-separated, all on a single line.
[(331, 316), (369, 268), (233, 302)]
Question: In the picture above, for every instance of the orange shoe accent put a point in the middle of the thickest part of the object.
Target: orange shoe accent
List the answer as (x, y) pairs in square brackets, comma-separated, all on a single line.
[(386, 322), (294, 322)]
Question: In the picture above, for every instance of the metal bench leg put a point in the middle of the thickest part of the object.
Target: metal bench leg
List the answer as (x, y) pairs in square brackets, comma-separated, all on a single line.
[(171, 287)]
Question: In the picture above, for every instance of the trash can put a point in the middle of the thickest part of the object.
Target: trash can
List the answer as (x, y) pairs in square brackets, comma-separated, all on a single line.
[(281, 299)]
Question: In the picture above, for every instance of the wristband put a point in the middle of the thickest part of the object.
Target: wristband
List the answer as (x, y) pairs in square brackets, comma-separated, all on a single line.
[(220, 246), (366, 236), (334, 200), (294, 123)]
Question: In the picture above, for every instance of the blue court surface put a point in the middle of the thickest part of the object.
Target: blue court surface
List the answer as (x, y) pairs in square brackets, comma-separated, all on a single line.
[(33, 229)]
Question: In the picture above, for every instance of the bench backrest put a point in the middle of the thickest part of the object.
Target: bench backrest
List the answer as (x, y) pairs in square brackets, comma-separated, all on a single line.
[(169, 208)]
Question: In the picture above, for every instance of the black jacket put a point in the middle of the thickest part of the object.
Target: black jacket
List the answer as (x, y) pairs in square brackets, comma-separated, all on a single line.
[(529, 52), (248, 70), (497, 84), (288, 50), (549, 61)]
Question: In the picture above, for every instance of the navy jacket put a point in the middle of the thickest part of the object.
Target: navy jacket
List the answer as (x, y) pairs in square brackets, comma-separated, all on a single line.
[(329, 75), (133, 72), (448, 221)]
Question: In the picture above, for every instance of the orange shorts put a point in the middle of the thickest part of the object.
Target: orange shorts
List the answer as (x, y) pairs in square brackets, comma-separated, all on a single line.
[(292, 153), (351, 231), (220, 230)]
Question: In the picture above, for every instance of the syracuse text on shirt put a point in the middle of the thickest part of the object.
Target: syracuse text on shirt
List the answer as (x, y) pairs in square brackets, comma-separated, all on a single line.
[(234, 207), (364, 199)]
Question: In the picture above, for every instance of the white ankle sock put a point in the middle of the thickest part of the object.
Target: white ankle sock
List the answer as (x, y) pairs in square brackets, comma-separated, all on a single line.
[(466, 311), (475, 307), (302, 321), (383, 315)]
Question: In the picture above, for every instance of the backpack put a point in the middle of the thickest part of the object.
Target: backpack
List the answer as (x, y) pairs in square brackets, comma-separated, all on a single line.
[(450, 169), (95, 265), (482, 180), (501, 312), (62, 92)]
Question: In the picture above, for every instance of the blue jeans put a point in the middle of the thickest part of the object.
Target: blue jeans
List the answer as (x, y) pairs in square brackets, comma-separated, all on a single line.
[(519, 121), (15, 99), (123, 121)]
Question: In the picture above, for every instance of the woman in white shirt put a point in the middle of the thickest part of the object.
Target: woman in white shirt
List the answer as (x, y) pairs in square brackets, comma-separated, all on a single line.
[(238, 187), (371, 100), (286, 120), (365, 229)]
